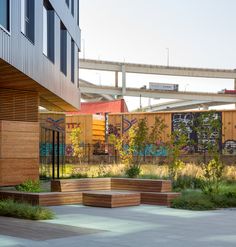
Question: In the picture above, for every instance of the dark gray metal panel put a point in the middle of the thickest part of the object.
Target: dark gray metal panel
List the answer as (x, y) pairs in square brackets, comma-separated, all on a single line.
[(68, 19), (17, 50)]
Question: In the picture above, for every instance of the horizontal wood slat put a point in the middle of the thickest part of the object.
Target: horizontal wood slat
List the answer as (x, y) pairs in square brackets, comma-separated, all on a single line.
[(44, 199), (118, 192), (111, 199), (158, 198), (16, 105), (149, 185), (81, 184), (16, 171), (19, 152)]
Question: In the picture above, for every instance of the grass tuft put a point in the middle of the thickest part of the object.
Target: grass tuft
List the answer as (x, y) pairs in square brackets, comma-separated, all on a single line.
[(11, 208)]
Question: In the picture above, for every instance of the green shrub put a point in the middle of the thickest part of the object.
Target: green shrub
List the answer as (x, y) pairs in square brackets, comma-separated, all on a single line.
[(153, 176), (193, 201), (29, 186), (79, 175), (213, 174), (197, 200), (133, 171), (24, 211), (228, 189), (187, 182)]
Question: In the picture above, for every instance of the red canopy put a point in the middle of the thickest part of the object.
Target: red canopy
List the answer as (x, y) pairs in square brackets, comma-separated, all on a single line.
[(103, 107)]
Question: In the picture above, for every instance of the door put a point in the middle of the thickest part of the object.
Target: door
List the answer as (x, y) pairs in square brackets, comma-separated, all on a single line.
[(51, 153)]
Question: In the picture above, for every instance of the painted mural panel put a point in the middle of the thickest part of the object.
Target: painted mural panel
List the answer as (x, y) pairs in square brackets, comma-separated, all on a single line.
[(120, 123), (198, 141)]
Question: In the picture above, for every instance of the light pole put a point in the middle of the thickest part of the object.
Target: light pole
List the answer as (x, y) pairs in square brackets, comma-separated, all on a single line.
[(168, 56)]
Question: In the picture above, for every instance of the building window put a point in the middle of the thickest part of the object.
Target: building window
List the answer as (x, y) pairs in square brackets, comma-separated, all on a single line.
[(27, 18), (72, 60), (48, 31), (72, 7), (63, 49), (78, 12), (5, 14), (68, 3)]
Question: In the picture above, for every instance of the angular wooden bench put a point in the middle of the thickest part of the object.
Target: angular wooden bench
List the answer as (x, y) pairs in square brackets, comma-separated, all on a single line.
[(158, 198), (44, 199), (145, 185), (152, 191), (83, 184), (111, 199)]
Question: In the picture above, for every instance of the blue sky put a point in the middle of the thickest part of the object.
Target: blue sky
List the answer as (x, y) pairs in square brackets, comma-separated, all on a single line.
[(198, 33)]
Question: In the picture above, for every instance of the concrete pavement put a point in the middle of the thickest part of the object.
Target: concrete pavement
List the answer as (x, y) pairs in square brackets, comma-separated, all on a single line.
[(146, 226)]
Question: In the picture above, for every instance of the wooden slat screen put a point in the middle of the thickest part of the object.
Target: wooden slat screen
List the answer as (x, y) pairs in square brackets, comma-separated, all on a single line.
[(18, 105)]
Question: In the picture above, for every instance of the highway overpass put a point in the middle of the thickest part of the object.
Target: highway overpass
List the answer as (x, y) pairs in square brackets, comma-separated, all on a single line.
[(188, 98), (181, 105), (157, 94), (156, 69)]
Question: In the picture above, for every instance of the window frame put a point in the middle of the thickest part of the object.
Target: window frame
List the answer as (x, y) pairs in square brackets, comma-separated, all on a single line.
[(64, 70), (78, 13), (46, 37), (72, 72), (72, 7), (2, 27), (23, 24)]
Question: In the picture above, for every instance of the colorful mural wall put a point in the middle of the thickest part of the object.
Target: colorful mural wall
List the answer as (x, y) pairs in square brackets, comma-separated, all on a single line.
[(119, 124)]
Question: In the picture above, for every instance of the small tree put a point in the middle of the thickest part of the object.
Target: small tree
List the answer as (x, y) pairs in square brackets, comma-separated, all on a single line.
[(75, 138), (125, 145), (140, 139), (155, 135), (131, 146), (208, 129), (212, 174), (176, 145)]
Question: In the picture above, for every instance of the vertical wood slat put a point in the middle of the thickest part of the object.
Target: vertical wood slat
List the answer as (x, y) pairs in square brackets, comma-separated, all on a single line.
[(92, 129), (229, 125)]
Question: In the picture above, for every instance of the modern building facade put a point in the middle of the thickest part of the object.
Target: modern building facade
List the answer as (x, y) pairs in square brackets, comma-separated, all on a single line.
[(39, 45)]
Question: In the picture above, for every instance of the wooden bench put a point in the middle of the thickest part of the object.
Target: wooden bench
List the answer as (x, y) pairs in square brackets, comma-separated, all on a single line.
[(83, 184), (152, 191), (44, 199), (111, 199), (145, 185), (155, 198)]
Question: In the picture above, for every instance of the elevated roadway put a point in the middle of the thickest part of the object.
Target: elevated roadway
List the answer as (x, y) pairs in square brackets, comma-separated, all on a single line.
[(93, 97), (156, 69), (187, 99), (136, 92), (181, 105)]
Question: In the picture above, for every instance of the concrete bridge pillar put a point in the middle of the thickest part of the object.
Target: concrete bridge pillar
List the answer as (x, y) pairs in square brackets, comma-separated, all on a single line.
[(123, 80), (116, 78), (205, 107)]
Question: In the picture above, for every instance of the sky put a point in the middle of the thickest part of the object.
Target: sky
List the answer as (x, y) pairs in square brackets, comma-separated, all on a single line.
[(195, 33)]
